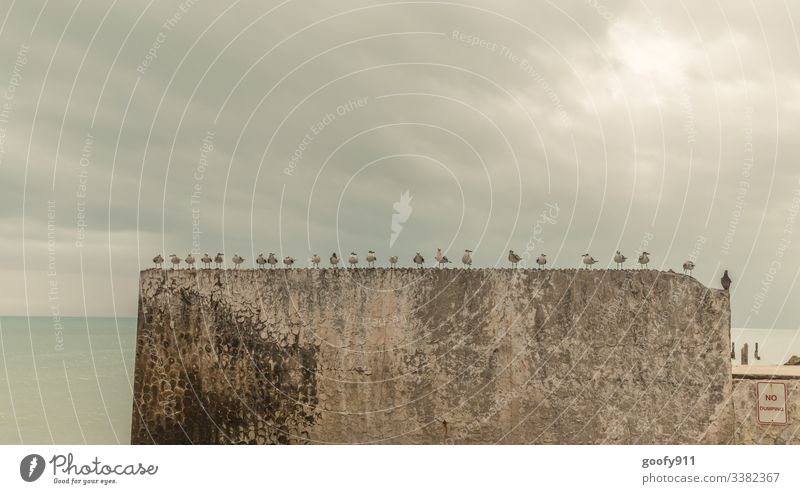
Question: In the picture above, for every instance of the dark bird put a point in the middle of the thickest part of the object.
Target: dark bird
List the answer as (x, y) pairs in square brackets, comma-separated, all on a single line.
[(419, 260), (261, 261), (206, 261), (726, 280), (334, 259), (272, 260), (688, 266), (218, 260), (514, 258), (158, 261)]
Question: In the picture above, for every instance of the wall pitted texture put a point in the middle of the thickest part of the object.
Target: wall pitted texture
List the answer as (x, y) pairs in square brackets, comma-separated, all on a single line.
[(431, 356)]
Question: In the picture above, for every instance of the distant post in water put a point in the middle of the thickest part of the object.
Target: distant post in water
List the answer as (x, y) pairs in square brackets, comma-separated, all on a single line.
[(755, 353), (743, 353), (733, 351)]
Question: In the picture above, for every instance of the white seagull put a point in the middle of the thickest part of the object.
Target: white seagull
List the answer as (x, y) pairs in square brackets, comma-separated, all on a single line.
[(190, 261), (513, 258), (218, 259), (315, 260), (353, 260), (392, 260), (441, 258), (206, 261), (288, 261), (688, 266), (334, 259), (175, 260), (237, 260), (466, 259), (272, 260), (158, 261), (619, 259), (260, 260), (541, 260), (419, 260), (371, 258), (588, 260), (644, 260)]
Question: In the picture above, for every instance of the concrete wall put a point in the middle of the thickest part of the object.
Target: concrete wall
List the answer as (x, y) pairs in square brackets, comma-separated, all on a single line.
[(431, 356), (745, 403)]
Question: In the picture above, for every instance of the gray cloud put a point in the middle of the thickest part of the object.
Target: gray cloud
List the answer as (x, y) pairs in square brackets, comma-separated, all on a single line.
[(626, 115)]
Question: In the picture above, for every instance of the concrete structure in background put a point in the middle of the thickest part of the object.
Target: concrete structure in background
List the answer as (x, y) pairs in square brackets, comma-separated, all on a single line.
[(409, 356)]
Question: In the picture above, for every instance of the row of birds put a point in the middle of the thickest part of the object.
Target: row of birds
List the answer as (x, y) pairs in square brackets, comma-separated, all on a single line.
[(466, 259)]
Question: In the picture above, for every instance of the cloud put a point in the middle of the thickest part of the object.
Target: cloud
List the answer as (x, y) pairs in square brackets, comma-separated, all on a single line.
[(635, 119)]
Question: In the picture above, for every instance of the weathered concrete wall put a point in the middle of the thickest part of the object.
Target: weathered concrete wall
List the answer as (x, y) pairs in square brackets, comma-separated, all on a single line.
[(431, 356), (745, 403)]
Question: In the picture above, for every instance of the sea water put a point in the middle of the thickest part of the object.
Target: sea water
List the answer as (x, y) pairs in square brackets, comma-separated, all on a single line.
[(66, 381), (71, 381)]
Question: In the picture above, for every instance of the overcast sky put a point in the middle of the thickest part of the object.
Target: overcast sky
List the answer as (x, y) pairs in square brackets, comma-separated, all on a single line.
[(563, 128)]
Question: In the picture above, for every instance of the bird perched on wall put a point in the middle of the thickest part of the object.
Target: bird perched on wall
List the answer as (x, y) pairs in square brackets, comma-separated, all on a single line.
[(237, 260), (541, 260), (466, 259), (513, 258), (334, 260), (206, 261), (441, 258), (353, 259), (419, 260), (218, 260), (175, 260), (619, 259), (392, 261), (190, 261), (371, 258), (272, 260), (260, 260), (688, 266), (158, 261), (725, 280), (588, 260), (315, 260), (288, 261), (644, 260)]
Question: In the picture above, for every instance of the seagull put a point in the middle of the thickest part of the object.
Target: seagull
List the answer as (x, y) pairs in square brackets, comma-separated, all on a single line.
[(175, 260), (272, 260), (190, 261), (541, 260), (371, 258), (619, 259), (513, 258), (288, 261), (218, 259), (588, 260), (726, 280), (334, 259), (419, 260), (441, 258), (643, 259), (261, 261), (315, 260), (237, 260), (353, 260), (158, 260), (466, 259), (392, 260), (688, 266), (206, 261)]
